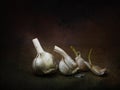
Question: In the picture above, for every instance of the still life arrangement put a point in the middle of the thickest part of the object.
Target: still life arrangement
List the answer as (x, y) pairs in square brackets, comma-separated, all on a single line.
[(44, 62)]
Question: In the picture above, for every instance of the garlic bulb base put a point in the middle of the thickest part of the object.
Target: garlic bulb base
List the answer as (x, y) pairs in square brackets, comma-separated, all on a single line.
[(37, 45)]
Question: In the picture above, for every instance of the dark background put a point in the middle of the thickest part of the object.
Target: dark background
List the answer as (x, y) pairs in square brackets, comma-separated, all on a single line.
[(82, 24)]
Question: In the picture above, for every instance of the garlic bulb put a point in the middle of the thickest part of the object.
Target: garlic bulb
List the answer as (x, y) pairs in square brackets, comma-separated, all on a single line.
[(79, 60), (95, 69), (67, 65), (44, 61)]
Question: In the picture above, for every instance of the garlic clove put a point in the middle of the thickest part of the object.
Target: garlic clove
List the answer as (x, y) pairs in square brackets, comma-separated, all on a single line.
[(81, 64), (68, 60), (67, 65), (44, 62), (64, 68), (79, 60)]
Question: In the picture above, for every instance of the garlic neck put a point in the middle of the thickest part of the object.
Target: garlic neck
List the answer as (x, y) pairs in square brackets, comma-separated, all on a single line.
[(37, 45), (60, 51)]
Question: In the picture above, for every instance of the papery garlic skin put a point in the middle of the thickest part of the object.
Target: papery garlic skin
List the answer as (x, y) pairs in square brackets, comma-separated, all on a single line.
[(95, 69), (44, 61), (67, 65), (98, 70)]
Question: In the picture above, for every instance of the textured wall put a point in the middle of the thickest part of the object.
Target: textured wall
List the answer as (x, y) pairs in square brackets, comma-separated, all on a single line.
[(82, 24)]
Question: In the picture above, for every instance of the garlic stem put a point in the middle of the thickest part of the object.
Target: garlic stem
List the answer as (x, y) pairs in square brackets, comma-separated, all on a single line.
[(73, 49), (37, 45)]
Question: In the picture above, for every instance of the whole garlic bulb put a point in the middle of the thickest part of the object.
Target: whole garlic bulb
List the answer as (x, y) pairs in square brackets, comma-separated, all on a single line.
[(44, 61), (79, 60), (67, 65), (95, 69)]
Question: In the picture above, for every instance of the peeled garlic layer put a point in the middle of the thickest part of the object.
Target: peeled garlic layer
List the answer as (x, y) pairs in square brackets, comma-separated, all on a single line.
[(44, 61), (67, 65)]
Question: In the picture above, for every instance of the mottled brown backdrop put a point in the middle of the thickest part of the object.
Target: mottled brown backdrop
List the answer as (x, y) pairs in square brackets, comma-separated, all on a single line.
[(82, 24)]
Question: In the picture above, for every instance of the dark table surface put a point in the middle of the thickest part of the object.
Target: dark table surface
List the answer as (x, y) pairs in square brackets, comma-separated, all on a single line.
[(82, 26)]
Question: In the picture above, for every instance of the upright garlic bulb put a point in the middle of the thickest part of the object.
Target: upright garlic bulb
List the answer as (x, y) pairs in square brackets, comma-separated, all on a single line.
[(79, 60), (67, 65), (44, 61), (95, 69)]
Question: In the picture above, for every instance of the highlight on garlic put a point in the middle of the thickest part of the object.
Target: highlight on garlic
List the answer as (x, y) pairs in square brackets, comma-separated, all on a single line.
[(79, 60), (95, 69), (44, 61), (67, 65)]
